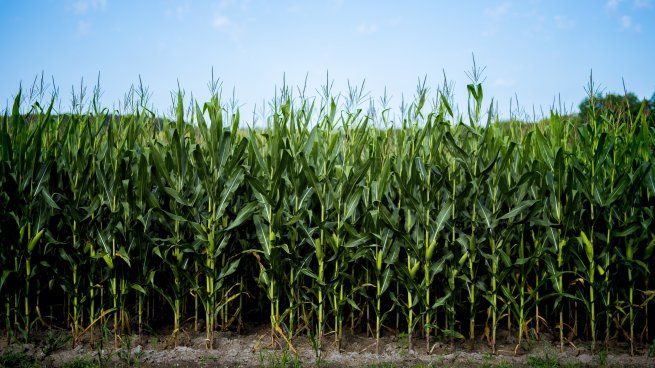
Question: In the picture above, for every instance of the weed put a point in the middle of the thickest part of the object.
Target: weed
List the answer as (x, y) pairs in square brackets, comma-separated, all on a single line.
[(543, 362), (17, 360), (80, 363), (283, 360), (128, 356), (55, 341)]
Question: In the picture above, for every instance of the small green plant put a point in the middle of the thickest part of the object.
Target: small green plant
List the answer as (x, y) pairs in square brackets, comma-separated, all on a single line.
[(283, 360), (543, 362), (207, 360), (488, 361), (17, 360), (128, 356), (80, 363), (154, 341), (499, 365), (602, 358), (54, 341), (316, 347), (403, 339), (103, 358)]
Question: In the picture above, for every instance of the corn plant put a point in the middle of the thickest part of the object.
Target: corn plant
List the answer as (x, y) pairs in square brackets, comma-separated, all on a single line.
[(422, 221), (221, 173)]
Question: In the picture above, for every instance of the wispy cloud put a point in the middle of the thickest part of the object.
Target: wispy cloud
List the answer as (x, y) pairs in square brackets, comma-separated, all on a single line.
[(84, 6), (243, 5), (180, 11), (623, 16), (495, 15), (563, 22), (230, 17), (627, 23), (612, 4), (221, 21), (499, 11), (367, 28)]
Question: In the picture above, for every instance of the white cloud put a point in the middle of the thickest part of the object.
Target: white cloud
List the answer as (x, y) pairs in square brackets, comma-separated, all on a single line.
[(83, 6), (499, 11), (180, 11), (221, 21), (625, 21), (563, 22), (495, 16), (367, 28), (628, 24), (612, 4)]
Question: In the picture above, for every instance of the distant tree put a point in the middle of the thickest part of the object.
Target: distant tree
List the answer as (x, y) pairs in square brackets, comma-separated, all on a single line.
[(621, 107)]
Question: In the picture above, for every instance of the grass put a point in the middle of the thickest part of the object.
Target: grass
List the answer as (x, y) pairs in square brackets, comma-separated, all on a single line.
[(17, 360), (551, 362), (285, 359), (81, 363)]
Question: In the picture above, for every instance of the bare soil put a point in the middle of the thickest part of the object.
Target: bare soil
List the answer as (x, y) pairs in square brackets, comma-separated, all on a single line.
[(257, 350)]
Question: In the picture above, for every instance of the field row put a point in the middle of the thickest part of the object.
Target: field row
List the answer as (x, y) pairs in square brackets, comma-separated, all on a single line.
[(329, 218)]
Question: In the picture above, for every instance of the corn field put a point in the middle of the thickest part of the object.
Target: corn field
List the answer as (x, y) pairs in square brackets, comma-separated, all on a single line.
[(327, 219)]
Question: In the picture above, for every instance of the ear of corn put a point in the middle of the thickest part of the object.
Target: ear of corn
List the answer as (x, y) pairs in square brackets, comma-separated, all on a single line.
[(328, 220)]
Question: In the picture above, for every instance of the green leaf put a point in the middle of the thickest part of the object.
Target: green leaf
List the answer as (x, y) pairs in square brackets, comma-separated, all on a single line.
[(48, 199), (441, 301), (351, 205), (122, 253), (229, 189), (244, 214), (230, 269), (386, 277), (263, 236), (518, 209), (139, 288), (442, 218)]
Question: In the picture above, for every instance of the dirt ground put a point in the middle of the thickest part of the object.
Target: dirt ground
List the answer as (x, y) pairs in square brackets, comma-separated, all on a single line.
[(256, 350)]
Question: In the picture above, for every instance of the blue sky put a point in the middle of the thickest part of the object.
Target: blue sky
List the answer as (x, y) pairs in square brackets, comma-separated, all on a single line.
[(533, 49)]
